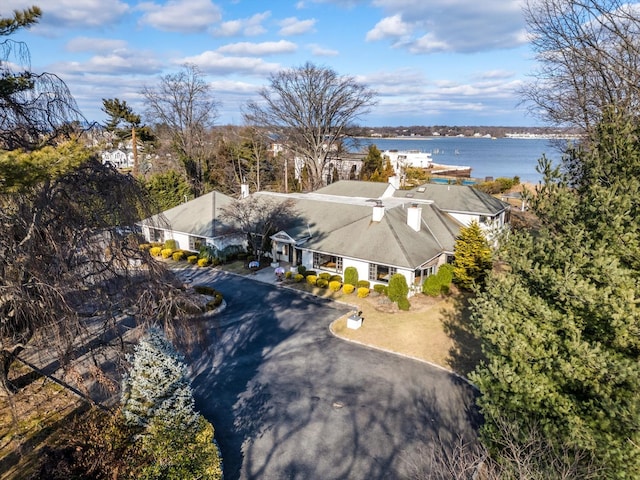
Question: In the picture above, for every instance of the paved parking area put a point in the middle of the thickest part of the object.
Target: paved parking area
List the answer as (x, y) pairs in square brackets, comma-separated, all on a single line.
[(290, 401)]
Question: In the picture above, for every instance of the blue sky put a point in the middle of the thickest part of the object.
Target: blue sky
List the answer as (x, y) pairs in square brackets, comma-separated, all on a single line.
[(436, 62)]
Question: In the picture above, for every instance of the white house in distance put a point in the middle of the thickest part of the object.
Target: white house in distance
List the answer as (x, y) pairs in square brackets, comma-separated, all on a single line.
[(373, 227)]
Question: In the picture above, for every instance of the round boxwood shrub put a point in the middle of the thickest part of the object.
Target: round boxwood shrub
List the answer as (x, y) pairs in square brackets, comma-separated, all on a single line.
[(348, 288), (322, 282), (288, 275), (166, 252), (298, 277), (403, 304), (311, 279), (432, 286), (177, 256), (381, 289), (335, 278), (351, 275), (324, 275), (302, 269), (363, 284), (334, 285), (310, 272), (203, 262), (363, 292), (398, 287), (192, 259), (155, 251), (171, 244)]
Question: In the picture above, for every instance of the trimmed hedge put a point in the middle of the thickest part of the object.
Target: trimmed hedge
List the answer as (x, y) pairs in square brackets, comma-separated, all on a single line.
[(203, 262), (334, 285), (171, 244), (298, 277), (192, 259), (322, 282), (311, 279), (348, 288), (288, 275), (335, 278), (351, 275), (155, 251), (398, 287), (325, 276), (363, 292), (302, 269), (439, 283), (381, 289), (363, 284), (403, 304), (177, 256)]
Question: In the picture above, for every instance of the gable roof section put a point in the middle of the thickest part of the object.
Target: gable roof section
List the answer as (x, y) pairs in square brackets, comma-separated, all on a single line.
[(456, 198), (195, 217), (356, 188)]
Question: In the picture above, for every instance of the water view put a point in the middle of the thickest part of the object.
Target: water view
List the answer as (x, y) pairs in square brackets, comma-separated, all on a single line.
[(501, 157)]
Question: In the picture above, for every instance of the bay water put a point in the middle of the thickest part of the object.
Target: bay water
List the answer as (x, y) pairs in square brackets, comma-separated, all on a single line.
[(487, 157)]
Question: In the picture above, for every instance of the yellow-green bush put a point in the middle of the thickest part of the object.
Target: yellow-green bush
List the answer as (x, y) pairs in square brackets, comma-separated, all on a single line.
[(364, 284), (363, 292), (348, 288), (177, 256), (298, 277), (203, 262), (144, 247), (155, 251), (192, 259), (335, 278), (166, 252), (287, 275), (325, 276), (312, 279), (322, 282), (334, 285)]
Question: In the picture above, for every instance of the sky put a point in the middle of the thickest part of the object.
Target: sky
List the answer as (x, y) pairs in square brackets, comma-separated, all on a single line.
[(436, 62)]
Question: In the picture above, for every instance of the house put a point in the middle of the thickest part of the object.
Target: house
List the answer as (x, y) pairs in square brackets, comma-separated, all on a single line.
[(374, 227), (194, 224)]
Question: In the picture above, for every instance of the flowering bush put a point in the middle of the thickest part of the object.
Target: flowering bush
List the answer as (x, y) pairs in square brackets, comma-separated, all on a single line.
[(334, 286), (155, 251), (363, 292), (348, 288)]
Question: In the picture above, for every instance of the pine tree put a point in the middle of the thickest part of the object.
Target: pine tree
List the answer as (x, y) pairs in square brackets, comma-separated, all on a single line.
[(472, 257), (371, 163)]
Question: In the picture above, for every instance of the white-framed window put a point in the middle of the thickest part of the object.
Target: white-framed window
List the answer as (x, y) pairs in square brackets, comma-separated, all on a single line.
[(196, 242), (327, 262), (156, 235), (380, 273)]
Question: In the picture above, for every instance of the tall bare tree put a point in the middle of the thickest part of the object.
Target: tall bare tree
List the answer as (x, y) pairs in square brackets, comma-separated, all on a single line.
[(182, 104), (36, 109), (309, 109), (588, 53)]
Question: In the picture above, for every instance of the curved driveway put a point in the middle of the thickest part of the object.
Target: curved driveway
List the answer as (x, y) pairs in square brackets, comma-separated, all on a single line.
[(290, 401)]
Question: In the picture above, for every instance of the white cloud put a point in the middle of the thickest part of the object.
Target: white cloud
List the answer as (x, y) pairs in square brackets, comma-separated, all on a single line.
[(293, 26), (246, 26), (257, 49), (58, 15), (320, 51), (214, 62), (115, 63), (389, 27), (180, 15), (86, 44)]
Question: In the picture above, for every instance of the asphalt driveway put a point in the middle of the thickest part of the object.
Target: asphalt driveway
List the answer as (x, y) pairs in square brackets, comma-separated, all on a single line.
[(290, 401)]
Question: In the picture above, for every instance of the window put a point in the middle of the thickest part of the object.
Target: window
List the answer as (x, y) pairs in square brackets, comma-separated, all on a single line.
[(327, 262), (380, 273), (156, 235), (196, 242)]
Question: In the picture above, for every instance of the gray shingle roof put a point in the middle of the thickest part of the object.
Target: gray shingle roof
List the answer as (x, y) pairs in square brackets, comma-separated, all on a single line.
[(456, 198)]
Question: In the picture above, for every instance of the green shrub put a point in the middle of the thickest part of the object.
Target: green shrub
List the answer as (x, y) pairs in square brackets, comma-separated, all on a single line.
[(192, 259), (325, 276), (363, 292), (398, 287), (166, 252), (171, 244), (351, 275), (177, 256), (287, 275), (432, 286), (322, 282), (155, 251), (334, 285), (335, 278), (310, 272), (348, 288), (445, 273), (311, 279), (302, 269), (363, 284), (403, 304), (203, 262), (381, 289), (298, 277)]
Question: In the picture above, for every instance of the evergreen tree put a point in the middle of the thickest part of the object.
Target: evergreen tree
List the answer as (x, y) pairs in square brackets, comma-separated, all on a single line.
[(472, 257), (371, 163)]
